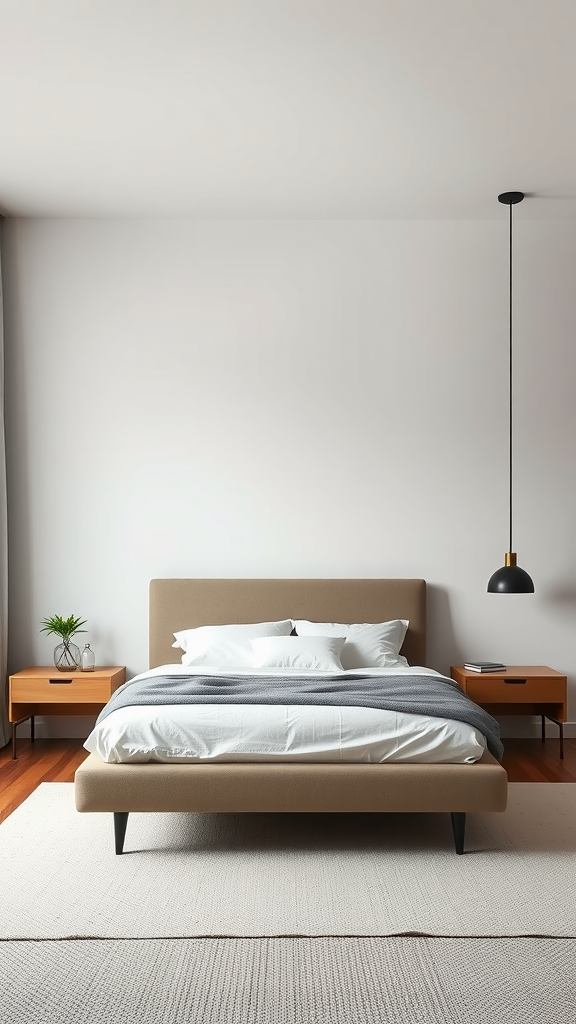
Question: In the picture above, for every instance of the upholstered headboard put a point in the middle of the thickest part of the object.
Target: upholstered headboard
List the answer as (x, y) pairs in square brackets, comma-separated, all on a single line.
[(185, 603)]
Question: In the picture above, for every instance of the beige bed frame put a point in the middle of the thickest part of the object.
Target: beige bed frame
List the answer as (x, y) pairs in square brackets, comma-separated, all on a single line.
[(288, 787)]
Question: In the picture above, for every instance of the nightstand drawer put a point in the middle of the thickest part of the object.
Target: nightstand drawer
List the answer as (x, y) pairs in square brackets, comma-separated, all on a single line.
[(512, 689), (60, 688)]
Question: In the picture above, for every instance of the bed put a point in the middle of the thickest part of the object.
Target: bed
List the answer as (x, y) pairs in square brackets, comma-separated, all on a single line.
[(231, 787)]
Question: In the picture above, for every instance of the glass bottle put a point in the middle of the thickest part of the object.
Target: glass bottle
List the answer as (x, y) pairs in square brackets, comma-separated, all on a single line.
[(88, 659)]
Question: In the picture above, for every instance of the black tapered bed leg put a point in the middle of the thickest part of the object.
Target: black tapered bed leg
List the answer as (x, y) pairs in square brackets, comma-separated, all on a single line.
[(120, 822), (458, 828)]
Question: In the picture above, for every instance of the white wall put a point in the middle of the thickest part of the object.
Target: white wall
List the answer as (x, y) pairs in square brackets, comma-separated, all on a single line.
[(289, 399)]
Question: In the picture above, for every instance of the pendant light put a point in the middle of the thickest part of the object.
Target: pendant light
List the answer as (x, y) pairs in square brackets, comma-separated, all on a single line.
[(510, 579)]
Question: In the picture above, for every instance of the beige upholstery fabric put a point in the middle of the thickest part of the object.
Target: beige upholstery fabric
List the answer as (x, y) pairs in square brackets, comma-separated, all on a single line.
[(291, 787), (181, 603), (185, 603)]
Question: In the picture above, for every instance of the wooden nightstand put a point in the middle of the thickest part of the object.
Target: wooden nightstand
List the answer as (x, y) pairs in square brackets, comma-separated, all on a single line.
[(519, 690), (46, 691)]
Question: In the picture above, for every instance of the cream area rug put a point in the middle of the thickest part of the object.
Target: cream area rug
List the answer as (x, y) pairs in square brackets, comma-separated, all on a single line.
[(191, 875), (397, 980)]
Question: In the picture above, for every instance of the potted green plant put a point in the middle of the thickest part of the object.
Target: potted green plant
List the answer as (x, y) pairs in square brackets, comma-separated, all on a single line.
[(66, 654)]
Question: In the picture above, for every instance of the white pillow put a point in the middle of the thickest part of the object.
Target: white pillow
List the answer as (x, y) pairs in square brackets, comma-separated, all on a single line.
[(227, 645), (368, 644), (300, 652)]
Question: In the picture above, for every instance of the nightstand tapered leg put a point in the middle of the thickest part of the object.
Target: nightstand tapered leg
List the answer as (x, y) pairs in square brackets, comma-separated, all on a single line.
[(543, 728), (32, 737), (560, 734), (13, 741)]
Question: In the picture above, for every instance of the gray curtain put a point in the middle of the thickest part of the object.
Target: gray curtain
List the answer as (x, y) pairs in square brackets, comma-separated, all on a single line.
[(4, 727)]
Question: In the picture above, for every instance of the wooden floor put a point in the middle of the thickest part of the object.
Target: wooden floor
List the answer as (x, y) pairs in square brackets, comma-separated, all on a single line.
[(41, 761), (57, 760)]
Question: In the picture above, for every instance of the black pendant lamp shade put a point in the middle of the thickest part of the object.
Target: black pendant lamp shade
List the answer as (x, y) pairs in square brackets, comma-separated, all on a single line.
[(510, 579)]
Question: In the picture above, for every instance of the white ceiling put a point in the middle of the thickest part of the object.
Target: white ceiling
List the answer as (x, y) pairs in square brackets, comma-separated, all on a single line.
[(287, 108)]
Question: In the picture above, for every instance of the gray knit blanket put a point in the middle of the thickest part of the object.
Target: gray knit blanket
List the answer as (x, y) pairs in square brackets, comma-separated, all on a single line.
[(436, 696)]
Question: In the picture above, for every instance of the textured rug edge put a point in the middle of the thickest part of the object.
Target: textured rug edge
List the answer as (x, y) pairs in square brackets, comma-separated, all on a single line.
[(202, 936)]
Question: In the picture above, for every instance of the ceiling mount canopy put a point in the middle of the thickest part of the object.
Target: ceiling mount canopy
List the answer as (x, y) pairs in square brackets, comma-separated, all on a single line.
[(510, 579), (510, 198)]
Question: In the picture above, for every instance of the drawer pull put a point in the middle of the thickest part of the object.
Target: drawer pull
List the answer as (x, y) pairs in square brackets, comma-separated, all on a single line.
[(53, 681), (515, 682)]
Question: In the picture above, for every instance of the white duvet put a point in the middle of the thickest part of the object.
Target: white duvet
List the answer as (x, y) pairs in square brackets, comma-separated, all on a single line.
[(279, 732)]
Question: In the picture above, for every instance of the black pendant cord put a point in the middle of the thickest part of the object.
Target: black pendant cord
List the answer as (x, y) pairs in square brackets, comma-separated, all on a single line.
[(510, 378)]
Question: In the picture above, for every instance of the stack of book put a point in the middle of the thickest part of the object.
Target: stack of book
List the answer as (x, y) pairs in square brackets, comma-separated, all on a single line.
[(484, 666)]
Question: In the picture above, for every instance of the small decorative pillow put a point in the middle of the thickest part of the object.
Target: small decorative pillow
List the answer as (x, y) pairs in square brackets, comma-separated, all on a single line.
[(305, 653), (228, 645), (368, 644)]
